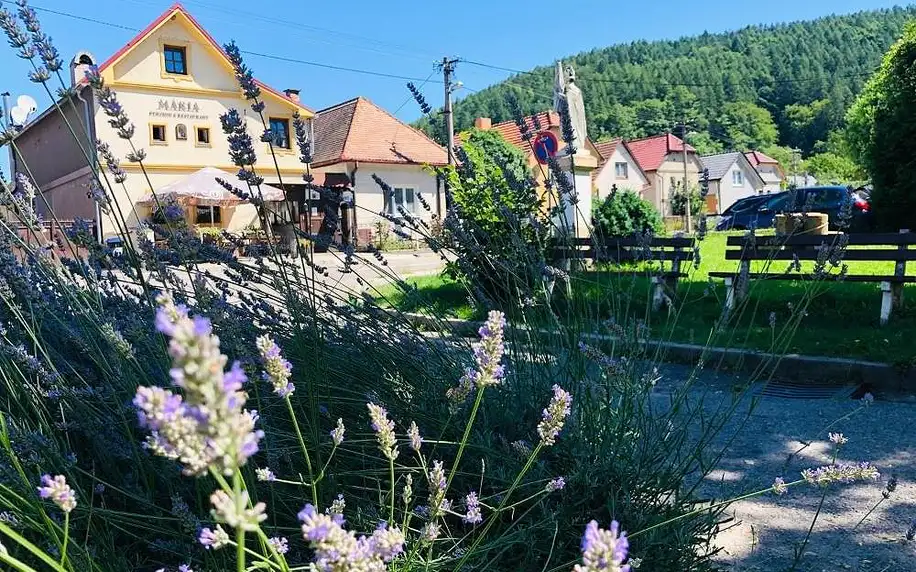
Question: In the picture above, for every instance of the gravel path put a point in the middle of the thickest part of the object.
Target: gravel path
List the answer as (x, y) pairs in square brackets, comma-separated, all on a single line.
[(768, 529)]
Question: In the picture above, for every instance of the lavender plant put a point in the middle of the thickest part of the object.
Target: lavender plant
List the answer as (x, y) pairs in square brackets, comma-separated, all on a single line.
[(294, 406)]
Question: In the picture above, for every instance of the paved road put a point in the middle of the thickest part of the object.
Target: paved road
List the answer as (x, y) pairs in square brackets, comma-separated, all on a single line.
[(780, 437)]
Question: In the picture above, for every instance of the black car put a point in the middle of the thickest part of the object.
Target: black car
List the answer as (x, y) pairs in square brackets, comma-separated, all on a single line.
[(836, 202), (758, 211)]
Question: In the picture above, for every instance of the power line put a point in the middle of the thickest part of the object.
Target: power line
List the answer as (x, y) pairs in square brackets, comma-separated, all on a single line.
[(586, 78), (247, 52)]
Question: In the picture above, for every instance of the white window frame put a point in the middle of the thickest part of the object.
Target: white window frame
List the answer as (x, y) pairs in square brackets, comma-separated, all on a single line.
[(621, 166), (402, 193), (737, 178)]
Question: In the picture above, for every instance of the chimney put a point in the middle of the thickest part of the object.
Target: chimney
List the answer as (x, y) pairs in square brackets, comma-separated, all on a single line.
[(292, 94), (483, 123), (81, 63)]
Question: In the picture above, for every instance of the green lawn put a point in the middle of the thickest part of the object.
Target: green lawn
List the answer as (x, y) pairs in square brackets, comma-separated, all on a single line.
[(842, 318)]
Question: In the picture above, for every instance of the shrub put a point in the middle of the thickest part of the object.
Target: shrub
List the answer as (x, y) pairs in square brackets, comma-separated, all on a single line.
[(496, 226), (625, 213), (679, 202), (881, 128), (148, 450)]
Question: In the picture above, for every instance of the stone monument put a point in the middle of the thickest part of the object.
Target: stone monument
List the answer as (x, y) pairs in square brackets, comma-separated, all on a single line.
[(567, 99)]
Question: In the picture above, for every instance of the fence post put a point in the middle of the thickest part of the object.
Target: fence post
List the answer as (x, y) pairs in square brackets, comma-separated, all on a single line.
[(900, 270)]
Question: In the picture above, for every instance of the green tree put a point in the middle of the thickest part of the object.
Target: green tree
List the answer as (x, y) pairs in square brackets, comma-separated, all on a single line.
[(705, 143), (654, 116), (881, 130), (829, 167), (745, 125)]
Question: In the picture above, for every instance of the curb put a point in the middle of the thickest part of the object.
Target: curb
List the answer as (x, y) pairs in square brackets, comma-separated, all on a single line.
[(876, 376)]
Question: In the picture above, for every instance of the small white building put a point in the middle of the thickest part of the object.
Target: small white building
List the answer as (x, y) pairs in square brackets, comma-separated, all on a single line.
[(617, 170), (355, 140), (731, 177), (769, 169)]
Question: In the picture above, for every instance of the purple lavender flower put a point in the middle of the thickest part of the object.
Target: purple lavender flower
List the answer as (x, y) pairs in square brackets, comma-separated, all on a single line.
[(265, 475), (213, 539), (338, 549), (185, 568), (57, 491), (384, 430), (556, 484), (243, 74), (779, 486), (277, 370), (413, 433), (472, 504), (279, 543), (208, 427), (438, 504), (554, 416), (603, 550), (838, 438), (841, 473)]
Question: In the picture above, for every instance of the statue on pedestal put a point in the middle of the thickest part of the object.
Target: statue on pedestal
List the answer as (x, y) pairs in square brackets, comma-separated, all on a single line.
[(567, 94)]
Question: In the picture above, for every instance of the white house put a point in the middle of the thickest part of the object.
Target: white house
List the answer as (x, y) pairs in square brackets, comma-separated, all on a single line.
[(617, 169), (769, 169), (731, 177), (357, 139)]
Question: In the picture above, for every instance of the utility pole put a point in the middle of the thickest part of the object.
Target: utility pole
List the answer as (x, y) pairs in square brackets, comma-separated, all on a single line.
[(448, 67), (689, 226)]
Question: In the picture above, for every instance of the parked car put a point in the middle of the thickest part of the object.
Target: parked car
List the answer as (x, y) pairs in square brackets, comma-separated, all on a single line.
[(752, 212), (831, 201)]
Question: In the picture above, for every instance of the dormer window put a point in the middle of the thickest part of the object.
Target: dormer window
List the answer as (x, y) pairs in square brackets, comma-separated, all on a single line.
[(175, 60)]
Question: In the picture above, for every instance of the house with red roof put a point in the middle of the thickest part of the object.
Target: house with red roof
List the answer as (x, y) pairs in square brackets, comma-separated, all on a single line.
[(173, 80), (617, 170), (357, 139), (769, 169), (661, 158)]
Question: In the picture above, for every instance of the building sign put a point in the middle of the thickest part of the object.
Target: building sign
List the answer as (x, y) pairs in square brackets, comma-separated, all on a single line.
[(178, 109)]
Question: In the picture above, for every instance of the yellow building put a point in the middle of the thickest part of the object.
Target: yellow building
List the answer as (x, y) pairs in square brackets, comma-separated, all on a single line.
[(174, 81)]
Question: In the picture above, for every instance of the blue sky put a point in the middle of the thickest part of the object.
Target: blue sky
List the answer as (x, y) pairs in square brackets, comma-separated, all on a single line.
[(404, 37)]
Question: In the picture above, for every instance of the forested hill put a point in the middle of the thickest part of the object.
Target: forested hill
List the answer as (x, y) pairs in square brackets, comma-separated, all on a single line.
[(804, 74)]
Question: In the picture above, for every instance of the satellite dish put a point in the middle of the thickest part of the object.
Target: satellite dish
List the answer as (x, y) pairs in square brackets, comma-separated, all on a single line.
[(25, 106)]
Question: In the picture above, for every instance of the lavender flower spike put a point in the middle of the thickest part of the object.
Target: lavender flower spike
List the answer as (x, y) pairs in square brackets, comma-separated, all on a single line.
[(841, 473), (472, 503), (556, 484), (57, 491), (277, 370), (489, 352), (337, 433), (603, 550), (337, 549), (206, 427), (554, 416), (213, 539), (384, 430), (413, 433)]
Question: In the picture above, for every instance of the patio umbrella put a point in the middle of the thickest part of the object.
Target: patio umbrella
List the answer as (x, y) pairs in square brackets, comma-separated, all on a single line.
[(200, 188)]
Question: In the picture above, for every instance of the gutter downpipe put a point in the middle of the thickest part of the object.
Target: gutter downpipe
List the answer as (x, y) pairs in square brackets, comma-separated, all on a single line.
[(90, 129)]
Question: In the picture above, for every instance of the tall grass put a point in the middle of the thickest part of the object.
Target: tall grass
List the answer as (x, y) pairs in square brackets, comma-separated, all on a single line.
[(469, 451)]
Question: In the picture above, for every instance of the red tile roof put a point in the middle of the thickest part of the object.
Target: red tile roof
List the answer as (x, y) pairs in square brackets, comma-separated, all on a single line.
[(650, 152), (757, 158), (359, 130), (606, 150), (179, 9), (511, 133)]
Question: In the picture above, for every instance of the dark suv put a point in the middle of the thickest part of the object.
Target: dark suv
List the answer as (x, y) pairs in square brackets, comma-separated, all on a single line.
[(832, 201)]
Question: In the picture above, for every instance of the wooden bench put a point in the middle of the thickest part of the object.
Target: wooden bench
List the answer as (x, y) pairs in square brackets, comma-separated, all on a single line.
[(884, 247), (675, 251)]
